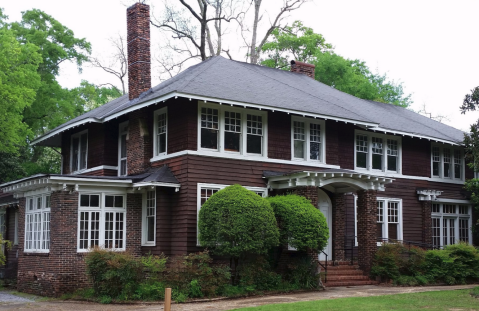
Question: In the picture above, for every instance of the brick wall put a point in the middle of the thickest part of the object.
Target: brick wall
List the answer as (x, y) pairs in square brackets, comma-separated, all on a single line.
[(139, 145), (367, 213), (339, 226), (133, 223), (303, 68), (426, 222), (11, 267)]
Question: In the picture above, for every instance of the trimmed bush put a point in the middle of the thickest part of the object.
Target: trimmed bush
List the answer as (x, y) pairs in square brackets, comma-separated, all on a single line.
[(303, 273), (393, 260), (257, 273), (235, 221), (301, 224)]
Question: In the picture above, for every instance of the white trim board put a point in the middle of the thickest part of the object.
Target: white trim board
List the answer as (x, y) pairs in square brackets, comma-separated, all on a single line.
[(96, 168)]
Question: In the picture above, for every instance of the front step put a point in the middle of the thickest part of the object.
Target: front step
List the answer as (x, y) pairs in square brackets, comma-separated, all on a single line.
[(345, 274)]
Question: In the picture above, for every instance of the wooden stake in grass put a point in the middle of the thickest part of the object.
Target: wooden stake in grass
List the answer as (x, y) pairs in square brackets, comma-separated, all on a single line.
[(167, 299)]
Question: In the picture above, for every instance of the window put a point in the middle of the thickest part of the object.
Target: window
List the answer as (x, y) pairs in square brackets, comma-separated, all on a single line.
[(101, 221), (37, 224), (232, 130), (447, 162), (389, 222), (378, 152), (79, 151), (205, 191), (307, 139), (161, 131), (149, 218), (451, 223), (122, 156)]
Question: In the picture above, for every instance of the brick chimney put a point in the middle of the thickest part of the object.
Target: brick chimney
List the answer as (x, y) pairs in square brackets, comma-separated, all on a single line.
[(139, 58), (304, 68)]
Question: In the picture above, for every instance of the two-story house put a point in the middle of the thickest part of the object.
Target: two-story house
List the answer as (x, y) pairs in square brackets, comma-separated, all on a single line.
[(136, 170)]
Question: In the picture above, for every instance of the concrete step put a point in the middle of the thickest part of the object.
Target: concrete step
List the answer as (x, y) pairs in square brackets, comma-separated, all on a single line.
[(349, 283), (341, 268), (345, 278), (345, 272)]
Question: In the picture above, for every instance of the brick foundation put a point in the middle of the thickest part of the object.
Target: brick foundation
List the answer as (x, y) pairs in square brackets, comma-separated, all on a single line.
[(339, 222), (367, 214)]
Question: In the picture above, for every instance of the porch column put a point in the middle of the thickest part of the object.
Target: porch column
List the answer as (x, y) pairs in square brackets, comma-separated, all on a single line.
[(338, 229), (426, 222), (367, 214)]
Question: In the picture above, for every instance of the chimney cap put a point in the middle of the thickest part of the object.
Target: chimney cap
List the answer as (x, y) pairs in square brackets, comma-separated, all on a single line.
[(295, 62)]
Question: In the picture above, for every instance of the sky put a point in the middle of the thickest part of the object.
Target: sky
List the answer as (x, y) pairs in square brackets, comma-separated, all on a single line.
[(429, 46)]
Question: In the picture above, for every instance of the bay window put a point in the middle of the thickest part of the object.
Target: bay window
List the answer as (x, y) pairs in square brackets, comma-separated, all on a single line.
[(79, 151), (149, 219), (377, 152), (101, 221), (451, 223), (447, 162), (160, 132), (232, 130), (307, 137), (37, 224)]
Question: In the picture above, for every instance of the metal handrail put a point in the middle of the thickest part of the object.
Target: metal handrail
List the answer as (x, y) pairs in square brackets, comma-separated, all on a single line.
[(325, 266)]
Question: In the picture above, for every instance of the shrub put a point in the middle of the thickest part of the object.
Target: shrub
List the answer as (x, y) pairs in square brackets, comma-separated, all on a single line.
[(150, 291), (475, 292), (8, 245), (235, 221), (113, 274), (257, 272), (302, 272), (393, 260), (154, 266), (301, 224)]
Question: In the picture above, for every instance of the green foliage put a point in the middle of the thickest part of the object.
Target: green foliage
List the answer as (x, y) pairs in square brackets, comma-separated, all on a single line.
[(350, 76), (235, 221), (150, 291), (154, 265), (10, 167), (90, 96), (19, 82), (475, 292), (7, 245), (113, 274), (256, 273), (395, 259), (303, 272), (301, 224)]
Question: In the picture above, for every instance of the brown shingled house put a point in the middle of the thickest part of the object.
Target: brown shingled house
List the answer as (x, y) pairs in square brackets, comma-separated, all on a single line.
[(136, 170)]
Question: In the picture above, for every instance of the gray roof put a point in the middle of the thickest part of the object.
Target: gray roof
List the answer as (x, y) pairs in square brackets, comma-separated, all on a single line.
[(221, 79)]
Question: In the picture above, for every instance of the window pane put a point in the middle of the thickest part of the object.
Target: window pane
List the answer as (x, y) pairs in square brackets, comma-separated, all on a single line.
[(392, 163), (392, 154), (123, 146), (299, 149), (76, 153), (447, 162), (457, 163), (109, 223), (84, 200), (393, 231), (379, 231), (118, 201), (435, 168), (209, 138), (254, 144), (162, 143), (377, 161), (361, 159), (232, 141), (436, 232), (151, 229), (377, 149), (94, 201), (464, 230), (83, 148), (109, 199), (254, 124), (436, 158), (119, 230), (314, 151), (123, 167)]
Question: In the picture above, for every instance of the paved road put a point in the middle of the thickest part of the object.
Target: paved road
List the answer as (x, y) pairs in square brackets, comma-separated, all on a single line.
[(7, 302)]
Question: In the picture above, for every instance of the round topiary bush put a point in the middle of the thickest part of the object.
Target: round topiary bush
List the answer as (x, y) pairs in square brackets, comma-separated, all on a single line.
[(236, 221), (302, 225)]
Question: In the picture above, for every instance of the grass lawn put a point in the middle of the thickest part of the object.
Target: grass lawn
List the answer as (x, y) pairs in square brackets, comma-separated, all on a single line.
[(442, 300)]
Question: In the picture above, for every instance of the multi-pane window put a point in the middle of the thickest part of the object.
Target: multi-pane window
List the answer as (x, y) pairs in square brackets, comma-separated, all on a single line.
[(79, 151), (209, 128), (149, 218), (122, 157), (205, 191), (232, 130), (451, 223), (389, 224), (377, 152), (102, 221), (307, 139), (37, 224), (447, 162), (161, 130)]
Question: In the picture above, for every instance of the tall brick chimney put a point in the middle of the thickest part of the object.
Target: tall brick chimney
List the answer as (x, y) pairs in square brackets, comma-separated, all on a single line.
[(304, 68), (139, 58)]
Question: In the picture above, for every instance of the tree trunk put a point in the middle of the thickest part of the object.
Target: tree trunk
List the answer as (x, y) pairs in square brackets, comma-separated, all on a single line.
[(253, 52)]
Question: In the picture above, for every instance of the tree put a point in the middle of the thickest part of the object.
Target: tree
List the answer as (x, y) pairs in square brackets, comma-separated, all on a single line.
[(302, 225), (350, 76), (19, 82), (235, 222), (90, 96)]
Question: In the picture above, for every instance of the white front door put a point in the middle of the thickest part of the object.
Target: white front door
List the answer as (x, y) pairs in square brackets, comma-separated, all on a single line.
[(324, 205)]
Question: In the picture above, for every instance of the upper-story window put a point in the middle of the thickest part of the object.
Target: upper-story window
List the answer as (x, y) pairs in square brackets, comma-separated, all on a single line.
[(79, 151), (161, 131), (232, 130), (307, 137), (122, 156), (37, 224), (377, 152), (447, 162)]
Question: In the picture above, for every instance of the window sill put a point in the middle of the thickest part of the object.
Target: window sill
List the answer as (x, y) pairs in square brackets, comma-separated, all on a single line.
[(149, 244), (38, 254)]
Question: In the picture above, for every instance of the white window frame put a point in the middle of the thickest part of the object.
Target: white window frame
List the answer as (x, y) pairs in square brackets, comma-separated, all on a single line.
[(307, 142), (457, 216), (144, 230), (257, 190), (385, 227), (78, 135), (369, 158), (452, 162), (158, 112), (32, 209), (102, 210), (243, 140), (122, 130)]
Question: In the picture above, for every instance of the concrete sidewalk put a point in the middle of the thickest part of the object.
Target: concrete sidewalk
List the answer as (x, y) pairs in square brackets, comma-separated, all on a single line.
[(220, 305)]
